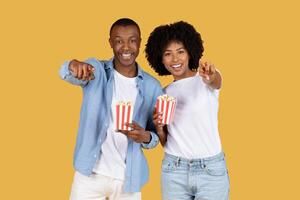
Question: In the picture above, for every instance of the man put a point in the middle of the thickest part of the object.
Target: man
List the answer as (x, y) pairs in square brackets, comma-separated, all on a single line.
[(109, 163)]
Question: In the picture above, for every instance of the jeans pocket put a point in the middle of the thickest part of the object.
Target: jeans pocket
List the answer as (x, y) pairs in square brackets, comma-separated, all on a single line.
[(217, 169)]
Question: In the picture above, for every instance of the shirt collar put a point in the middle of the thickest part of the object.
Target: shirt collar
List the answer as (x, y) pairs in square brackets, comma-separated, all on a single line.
[(110, 65)]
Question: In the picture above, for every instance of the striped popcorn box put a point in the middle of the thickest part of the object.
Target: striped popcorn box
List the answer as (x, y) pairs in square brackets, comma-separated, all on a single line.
[(166, 104), (124, 112)]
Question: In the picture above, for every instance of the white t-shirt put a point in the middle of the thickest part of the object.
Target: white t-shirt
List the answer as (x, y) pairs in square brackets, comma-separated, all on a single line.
[(114, 148), (194, 130)]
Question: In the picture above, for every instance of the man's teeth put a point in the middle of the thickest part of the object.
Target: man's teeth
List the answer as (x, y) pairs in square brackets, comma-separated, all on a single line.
[(126, 55), (176, 66)]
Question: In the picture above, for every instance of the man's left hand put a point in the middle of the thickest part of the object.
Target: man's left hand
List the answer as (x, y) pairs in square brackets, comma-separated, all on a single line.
[(137, 133)]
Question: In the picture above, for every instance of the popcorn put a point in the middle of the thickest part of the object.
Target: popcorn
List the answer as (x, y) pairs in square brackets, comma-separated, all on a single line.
[(124, 112), (166, 104)]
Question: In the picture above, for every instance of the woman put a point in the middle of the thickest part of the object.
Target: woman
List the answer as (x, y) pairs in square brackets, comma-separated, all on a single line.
[(194, 166)]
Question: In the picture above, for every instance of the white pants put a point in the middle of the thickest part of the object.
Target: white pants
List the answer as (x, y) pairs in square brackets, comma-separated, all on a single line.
[(99, 187)]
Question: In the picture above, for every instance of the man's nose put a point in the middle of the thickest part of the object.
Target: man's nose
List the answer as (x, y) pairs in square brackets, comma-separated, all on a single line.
[(125, 46)]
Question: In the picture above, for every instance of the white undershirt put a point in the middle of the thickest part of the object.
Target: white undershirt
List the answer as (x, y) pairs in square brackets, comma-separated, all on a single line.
[(194, 130), (114, 148)]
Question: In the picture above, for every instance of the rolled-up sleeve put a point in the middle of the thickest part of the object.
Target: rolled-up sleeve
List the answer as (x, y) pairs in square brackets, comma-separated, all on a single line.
[(153, 142)]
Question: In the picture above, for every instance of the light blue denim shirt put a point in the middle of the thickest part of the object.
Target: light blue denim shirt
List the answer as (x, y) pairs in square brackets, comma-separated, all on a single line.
[(95, 115)]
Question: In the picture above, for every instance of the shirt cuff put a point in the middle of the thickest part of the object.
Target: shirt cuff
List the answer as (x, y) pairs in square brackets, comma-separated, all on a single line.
[(153, 142), (64, 71)]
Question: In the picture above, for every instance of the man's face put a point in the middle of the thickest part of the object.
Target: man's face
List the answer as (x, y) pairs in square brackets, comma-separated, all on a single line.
[(125, 42)]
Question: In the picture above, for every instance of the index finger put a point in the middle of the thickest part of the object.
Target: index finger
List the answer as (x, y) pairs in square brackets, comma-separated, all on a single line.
[(212, 68), (207, 67), (203, 68), (124, 132)]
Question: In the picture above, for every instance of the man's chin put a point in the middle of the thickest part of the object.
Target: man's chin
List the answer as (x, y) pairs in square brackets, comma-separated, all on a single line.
[(127, 63)]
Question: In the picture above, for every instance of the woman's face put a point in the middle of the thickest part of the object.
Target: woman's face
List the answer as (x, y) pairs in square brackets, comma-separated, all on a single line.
[(176, 60)]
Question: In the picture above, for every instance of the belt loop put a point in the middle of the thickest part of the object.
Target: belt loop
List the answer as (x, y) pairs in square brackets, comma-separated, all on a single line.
[(177, 161), (202, 163)]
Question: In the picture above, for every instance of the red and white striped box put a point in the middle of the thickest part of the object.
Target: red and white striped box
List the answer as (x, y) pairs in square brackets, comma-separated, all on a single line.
[(166, 104), (124, 112)]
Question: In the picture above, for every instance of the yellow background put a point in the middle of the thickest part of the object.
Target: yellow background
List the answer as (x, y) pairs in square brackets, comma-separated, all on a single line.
[(255, 45)]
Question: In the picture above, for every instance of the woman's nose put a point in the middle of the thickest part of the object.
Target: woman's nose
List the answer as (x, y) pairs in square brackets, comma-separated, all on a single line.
[(174, 58)]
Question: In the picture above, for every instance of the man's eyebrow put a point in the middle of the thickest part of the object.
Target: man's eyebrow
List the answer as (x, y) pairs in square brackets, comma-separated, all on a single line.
[(133, 36)]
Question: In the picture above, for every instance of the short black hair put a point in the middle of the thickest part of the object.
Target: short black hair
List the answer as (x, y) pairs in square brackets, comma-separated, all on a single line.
[(124, 22), (161, 37)]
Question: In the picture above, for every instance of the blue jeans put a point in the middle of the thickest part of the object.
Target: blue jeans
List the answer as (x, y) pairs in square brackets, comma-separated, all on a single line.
[(199, 179)]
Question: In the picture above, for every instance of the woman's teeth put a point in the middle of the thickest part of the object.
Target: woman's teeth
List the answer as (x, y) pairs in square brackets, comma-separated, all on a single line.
[(176, 66)]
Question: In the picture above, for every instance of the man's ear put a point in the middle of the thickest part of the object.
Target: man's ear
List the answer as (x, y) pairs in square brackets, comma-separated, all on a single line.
[(110, 43)]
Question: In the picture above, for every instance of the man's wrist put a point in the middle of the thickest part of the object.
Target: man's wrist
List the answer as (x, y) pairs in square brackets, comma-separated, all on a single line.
[(148, 137)]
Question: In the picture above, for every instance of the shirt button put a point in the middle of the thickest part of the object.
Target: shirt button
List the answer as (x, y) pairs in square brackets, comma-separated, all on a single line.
[(95, 155)]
